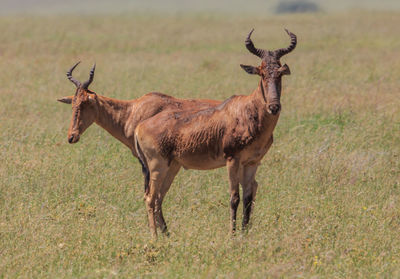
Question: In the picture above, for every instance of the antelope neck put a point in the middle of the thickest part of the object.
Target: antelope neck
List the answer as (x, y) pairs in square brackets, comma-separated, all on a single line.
[(113, 115)]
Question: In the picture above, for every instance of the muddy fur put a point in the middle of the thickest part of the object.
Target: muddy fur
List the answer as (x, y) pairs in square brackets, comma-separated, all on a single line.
[(236, 133), (120, 117), (226, 128)]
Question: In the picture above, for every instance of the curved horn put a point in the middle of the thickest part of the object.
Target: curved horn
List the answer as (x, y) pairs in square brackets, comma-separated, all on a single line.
[(91, 75), (293, 42), (250, 46), (70, 77)]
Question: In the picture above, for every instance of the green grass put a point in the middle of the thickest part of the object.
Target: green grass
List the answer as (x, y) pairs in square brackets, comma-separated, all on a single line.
[(328, 203)]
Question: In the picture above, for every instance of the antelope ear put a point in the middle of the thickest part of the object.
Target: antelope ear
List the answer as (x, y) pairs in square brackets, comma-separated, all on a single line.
[(66, 100), (250, 69), (284, 70)]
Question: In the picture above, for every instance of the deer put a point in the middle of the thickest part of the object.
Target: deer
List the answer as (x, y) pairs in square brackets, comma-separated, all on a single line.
[(236, 133), (120, 117)]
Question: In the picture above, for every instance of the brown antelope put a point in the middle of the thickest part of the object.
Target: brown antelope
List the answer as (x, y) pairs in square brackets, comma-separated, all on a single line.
[(119, 117), (236, 134)]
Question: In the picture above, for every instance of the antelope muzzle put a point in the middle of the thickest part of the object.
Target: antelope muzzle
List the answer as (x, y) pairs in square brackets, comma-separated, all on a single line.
[(274, 108), (73, 138), (274, 104)]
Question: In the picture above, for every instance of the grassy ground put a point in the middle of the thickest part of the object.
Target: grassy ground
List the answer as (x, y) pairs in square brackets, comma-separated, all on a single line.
[(328, 203)]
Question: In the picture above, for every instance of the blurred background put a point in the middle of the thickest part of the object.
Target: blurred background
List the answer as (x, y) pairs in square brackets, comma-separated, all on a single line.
[(179, 6)]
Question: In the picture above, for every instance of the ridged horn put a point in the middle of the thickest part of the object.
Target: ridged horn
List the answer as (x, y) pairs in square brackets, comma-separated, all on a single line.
[(86, 84), (71, 78), (283, 51), (250, 46)]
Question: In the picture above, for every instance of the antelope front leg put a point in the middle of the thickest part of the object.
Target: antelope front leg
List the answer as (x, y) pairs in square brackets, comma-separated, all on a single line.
[(150, 199), (169, 178), (152, 193), (233, 174), (249, 185)]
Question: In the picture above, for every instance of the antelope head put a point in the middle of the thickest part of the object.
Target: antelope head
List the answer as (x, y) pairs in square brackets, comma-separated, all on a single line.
[(84, 109), (271, 71)]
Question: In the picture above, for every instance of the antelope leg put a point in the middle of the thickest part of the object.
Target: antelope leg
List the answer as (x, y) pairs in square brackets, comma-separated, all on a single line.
[(233, 165)]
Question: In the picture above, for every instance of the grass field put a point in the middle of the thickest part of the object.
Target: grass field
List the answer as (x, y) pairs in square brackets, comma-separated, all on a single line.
[(328, 203)]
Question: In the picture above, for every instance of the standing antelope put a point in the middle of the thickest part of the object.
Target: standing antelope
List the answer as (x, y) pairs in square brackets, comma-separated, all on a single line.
[(236, 134), (118, 117)]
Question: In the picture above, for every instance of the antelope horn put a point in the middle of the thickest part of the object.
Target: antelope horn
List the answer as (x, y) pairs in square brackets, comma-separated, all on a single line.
[(86, 84), (70, 77), (293, 42), (250, 46)]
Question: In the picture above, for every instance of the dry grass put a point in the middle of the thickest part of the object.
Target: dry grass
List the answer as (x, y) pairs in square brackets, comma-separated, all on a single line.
[(328, 201)]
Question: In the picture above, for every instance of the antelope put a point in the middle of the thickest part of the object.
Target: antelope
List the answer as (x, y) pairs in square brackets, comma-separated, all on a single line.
[(119, 117), (236, 133)]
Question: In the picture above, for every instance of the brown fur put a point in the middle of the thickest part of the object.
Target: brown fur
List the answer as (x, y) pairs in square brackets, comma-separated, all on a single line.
[(236, 134), (220, 132), (120, 117)]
